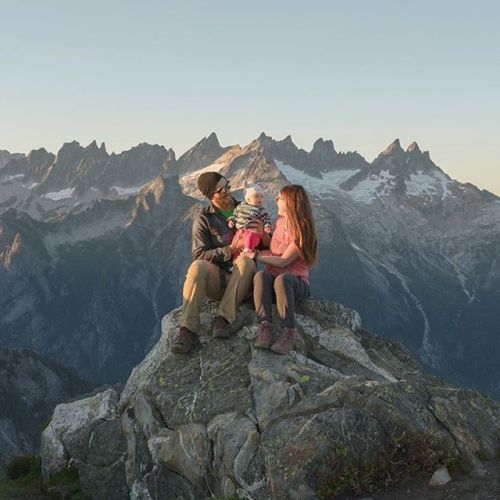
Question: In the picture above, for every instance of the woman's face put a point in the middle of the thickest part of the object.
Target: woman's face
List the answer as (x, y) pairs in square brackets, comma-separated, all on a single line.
[(281, 205)]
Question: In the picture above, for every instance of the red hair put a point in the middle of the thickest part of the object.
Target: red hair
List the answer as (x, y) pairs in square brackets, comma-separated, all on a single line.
[(300, 222)]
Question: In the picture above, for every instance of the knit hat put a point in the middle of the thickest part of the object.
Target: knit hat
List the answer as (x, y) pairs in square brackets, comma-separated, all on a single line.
[(207, 183), (251, 190)]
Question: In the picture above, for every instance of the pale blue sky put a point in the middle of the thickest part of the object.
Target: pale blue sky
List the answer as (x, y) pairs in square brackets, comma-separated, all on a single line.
[(359, 72)]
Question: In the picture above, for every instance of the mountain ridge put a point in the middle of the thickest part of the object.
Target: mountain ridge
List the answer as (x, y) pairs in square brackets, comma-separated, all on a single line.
[(410, 248)]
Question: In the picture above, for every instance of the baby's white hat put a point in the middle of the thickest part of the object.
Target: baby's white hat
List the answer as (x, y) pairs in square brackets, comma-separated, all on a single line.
[(251, 189)]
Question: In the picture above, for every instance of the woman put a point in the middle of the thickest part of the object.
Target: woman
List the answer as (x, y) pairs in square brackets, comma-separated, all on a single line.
[(293, 252)]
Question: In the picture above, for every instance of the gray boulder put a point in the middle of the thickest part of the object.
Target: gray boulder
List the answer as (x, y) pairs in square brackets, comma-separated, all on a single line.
[(334, 416)]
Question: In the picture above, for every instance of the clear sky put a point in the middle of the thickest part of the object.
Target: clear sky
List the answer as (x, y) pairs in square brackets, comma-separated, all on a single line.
[(359, 72)]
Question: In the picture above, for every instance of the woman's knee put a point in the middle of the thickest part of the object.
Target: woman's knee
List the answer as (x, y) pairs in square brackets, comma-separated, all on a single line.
[(262, 277), (283, 282)]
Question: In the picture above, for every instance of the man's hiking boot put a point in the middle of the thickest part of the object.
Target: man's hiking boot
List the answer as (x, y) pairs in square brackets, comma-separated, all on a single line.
[(184, 341), (264, 335), (222, 328), (285, 341)]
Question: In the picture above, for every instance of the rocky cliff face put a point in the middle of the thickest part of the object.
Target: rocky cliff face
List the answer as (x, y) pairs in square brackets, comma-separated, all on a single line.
[(30, 388), (227, 420), (89, 290)]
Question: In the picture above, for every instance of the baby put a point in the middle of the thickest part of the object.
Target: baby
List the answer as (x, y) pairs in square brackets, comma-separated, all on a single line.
[(245, 215)]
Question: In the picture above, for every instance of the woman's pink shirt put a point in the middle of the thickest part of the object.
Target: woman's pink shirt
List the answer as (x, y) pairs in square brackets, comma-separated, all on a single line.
[(279, 243)]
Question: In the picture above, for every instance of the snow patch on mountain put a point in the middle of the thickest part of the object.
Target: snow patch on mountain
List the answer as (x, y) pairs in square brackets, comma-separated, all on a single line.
[(462, 279), (12, 177), (31, 185), (330, 181), (121, 191), (428, 184), (374, 187), (426, 350), (60, 195)]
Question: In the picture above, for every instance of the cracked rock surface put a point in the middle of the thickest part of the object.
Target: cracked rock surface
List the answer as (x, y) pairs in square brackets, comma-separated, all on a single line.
[(227, 420)]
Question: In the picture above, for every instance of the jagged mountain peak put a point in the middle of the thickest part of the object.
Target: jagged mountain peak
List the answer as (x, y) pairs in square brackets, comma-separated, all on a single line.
[(94, 150), (394, 147), (204, 146), (203, 153), (39, 156), (36, 152), (69, 151), (287, 140), (413, 148), (320, 145), (265, 141), (72, 145), (272, 146), (212, 138)]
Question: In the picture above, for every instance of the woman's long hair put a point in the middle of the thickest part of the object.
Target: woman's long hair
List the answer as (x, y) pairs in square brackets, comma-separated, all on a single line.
[(300, 222)]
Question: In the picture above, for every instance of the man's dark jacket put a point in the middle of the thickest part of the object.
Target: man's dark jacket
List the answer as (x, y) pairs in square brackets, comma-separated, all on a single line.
[(211, 238)]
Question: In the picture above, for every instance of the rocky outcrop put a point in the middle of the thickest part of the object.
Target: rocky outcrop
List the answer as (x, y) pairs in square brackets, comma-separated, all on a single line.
[(30, 388), (228, 420)]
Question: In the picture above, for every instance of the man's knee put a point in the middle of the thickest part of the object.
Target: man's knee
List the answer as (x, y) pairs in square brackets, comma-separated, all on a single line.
[(246, 266), (198, 269)]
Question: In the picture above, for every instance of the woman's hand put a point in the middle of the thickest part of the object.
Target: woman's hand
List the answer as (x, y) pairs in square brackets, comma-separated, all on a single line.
[(247, 253)]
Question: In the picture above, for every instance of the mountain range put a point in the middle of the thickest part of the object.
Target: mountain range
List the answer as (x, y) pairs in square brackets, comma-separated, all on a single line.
[(94, 247)]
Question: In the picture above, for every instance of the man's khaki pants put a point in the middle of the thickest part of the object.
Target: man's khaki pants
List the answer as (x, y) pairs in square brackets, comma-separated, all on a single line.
[(203, 280)]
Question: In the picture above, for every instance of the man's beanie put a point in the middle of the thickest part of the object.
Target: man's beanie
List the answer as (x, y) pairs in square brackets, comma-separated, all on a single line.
[(207, 183)]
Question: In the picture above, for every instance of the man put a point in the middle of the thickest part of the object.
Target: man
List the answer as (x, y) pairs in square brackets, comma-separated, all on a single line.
[(212, 274)]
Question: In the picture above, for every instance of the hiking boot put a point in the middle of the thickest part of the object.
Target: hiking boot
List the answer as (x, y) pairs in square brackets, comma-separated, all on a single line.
[(184, 341), (222, 328), (264, 335), (285, 341)]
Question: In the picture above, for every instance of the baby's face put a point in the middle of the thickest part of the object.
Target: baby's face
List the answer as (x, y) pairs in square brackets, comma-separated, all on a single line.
[(256, 200)]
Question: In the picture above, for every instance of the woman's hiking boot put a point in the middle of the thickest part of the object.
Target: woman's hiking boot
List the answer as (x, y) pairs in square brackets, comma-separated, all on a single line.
[(285, 341), (264, 335), (184, 341)]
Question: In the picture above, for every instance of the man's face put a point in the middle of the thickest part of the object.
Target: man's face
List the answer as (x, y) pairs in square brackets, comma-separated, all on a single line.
[(222, 195)]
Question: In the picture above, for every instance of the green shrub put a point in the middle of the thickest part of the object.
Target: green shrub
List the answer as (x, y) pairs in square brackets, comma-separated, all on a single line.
[(69, 481), (24, 465), (406, 455)]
